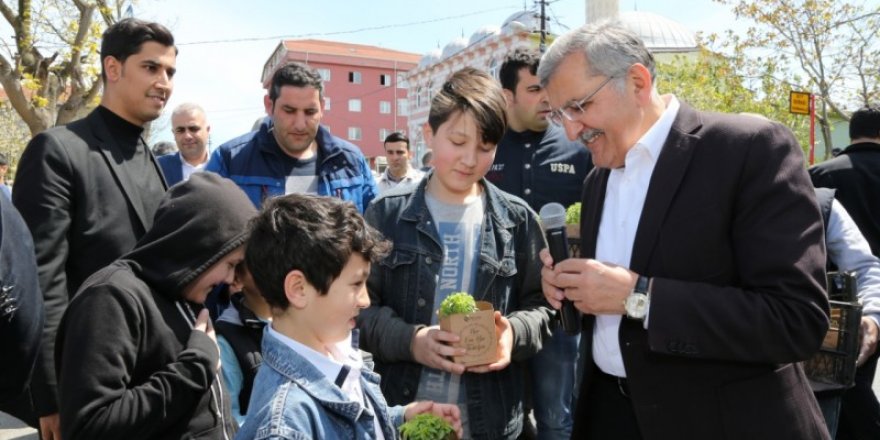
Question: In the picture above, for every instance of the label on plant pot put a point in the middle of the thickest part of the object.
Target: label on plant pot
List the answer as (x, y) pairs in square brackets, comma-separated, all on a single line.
[(477, 333)]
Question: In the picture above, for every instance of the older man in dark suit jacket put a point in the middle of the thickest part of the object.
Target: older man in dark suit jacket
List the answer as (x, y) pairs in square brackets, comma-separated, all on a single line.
[(703, 278), (88, 190)]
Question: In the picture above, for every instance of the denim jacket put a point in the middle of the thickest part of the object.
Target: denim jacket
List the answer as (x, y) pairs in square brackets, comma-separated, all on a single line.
[(259, 167), (403, 285), (292, 399)]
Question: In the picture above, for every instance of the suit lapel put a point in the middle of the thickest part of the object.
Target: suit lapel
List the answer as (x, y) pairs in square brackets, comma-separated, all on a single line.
[(591, 211), (114, 158), (667, 176)]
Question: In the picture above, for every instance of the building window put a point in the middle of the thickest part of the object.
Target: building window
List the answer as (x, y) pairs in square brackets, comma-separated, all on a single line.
[(402, 83), (384, 107), (354, 105), (325, 74), (402, 107), (354, 77), (493, 68), (383, 133), (354, 133), (385, 79), (428, 94)]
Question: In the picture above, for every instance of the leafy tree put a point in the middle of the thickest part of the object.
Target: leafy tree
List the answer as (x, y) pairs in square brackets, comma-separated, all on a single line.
[(710, 81), (50, 72), (15, 136), (828, 47)]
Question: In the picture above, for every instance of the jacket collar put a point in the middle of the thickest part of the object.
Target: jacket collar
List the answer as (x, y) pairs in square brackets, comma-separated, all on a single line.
[(291, 365), (114, 158), (497, 206), (668, 174), (862, 146), (326, 150)]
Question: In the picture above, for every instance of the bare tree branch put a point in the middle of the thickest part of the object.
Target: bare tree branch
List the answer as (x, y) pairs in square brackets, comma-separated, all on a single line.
[(8, 14)]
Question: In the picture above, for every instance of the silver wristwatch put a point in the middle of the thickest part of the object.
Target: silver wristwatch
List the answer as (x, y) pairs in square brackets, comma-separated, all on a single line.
[(637, 303)]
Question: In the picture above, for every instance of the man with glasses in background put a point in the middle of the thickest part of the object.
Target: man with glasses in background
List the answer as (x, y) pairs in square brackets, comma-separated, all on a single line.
[(191, 131), (702, 278)]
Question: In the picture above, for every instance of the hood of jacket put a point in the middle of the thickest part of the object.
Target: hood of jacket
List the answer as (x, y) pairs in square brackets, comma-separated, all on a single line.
[(198, 222)]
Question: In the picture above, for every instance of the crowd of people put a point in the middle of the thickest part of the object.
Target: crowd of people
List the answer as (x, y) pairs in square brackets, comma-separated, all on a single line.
[(275, 287)]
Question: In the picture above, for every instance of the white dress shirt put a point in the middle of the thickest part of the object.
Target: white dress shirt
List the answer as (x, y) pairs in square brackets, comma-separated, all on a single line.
[(412, 177), (188, 169), (624, 200)]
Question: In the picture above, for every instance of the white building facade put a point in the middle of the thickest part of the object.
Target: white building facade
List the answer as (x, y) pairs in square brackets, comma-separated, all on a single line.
[(487, 47)]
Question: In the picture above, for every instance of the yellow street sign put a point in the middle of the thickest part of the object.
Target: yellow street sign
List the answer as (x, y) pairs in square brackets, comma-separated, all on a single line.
[(799, 103)]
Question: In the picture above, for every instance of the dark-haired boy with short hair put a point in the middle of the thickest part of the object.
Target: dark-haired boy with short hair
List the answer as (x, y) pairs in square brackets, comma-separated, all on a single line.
[(240, 336), (310, 257)]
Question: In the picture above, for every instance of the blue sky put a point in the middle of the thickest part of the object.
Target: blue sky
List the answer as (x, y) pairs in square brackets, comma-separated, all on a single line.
[(224, 43)]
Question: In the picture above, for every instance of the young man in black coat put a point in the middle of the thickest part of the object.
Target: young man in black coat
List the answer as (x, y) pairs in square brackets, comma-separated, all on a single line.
[(88, 190)]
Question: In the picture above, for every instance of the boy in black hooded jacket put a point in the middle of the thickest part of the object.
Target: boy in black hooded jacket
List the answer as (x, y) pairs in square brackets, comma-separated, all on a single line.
[(136, 354)]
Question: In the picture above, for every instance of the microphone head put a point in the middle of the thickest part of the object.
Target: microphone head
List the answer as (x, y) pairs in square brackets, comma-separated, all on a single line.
[(552, 216)]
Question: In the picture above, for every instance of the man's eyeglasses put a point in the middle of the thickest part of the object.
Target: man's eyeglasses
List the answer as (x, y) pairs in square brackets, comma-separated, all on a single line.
[(576, 109)]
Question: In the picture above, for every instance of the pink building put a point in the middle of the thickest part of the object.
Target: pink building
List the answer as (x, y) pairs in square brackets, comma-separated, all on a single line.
[(365, 90)]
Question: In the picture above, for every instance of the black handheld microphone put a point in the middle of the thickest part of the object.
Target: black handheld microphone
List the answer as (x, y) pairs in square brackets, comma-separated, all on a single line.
[(553, 220)]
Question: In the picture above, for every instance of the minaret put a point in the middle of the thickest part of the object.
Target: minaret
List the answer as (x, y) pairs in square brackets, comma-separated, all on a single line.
[(601, 9)]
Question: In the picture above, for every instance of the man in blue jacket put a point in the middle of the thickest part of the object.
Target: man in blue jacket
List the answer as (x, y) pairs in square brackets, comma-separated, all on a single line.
[(191, 133), (291, 152)]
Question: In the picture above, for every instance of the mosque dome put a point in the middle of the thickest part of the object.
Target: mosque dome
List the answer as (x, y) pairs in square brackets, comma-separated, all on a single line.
[(430, 58), (483, 33), (659, 33), (531, 20), (453, 47)]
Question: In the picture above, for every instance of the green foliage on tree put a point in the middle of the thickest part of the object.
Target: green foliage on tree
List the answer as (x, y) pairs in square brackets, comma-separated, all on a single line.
[(830, 48), (50, 69), (15, 136), (711, 82)]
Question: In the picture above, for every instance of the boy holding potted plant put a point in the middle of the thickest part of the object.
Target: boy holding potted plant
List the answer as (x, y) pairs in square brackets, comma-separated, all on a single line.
[(310, 257), (457, 232)]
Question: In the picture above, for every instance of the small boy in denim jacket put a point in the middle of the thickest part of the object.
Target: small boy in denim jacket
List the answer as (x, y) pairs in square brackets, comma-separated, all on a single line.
[(455, 231), (310, 258)]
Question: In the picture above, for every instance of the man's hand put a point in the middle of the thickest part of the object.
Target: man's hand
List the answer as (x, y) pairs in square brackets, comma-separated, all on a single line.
[(868, 334), (446, 411), (504, 332), (50, 427), (593, 286), (203, 324), (430, 347)]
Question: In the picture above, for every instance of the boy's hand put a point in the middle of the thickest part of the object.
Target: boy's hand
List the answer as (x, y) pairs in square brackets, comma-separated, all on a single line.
[(203, 324), (504, 332), (446, 411), (430, 347)]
